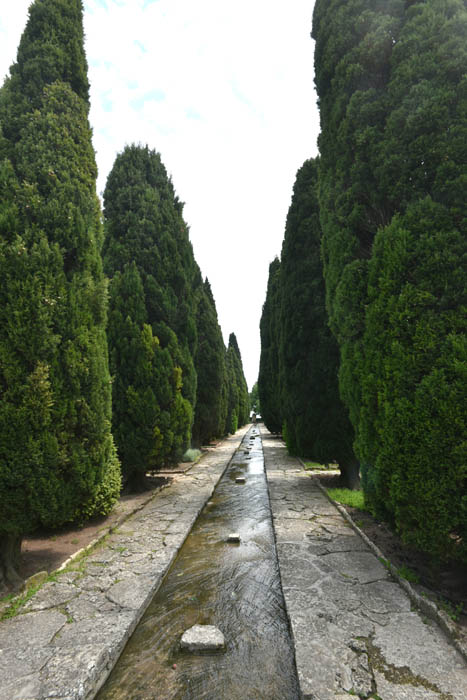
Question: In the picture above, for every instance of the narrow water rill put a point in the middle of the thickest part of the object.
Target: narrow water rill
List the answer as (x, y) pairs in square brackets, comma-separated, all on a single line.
[(233, 585)]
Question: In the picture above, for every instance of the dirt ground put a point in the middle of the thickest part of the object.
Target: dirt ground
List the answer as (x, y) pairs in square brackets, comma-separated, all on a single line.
[(47, 550), (445, 583)]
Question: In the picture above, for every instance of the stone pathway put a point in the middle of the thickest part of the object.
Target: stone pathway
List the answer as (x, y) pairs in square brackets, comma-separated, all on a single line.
[(67, 638), (353, 627)]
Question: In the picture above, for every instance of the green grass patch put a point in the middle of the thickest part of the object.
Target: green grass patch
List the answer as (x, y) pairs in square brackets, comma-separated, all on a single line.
[(408, 574), (348, 497), (316, 466)]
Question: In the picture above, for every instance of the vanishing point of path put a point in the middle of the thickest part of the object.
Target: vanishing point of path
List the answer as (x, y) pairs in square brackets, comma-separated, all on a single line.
[(342, 622)]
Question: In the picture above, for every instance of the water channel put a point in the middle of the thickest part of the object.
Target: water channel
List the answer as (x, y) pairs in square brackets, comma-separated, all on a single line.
[(233, 586)]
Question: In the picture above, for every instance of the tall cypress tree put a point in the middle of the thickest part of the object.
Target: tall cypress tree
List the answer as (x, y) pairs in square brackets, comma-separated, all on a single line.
[(238, 402), (151, 418), (354, 42), (316, 422), (144, 223), (210, 416), (148, 256), (396, 301), (243, 398), (57, 459), (269, 374), (413, 428)]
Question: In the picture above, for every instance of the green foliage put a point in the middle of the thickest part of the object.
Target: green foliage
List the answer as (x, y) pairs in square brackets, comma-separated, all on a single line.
[(144, 224), (255, 404), (413, 428), (408, 574), (348, 497), (269, 374), (392, 90), (191, 455), (316, 422), (148, 405), (57, 459), (238, 412), (210, 367), (152, 325)]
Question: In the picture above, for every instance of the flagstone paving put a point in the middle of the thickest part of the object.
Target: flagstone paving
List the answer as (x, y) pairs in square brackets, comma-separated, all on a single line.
[(354, 629)]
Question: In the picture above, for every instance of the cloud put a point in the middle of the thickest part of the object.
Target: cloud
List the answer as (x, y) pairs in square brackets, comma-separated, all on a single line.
[(224, 91)]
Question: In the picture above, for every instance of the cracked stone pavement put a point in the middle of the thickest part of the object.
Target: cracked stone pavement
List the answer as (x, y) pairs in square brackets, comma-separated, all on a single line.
[(69, 635), (353, 627)]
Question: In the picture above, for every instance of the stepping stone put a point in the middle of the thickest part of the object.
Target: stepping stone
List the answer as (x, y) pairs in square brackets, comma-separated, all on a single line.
[(234, 537), (240, 480), (203, 638)]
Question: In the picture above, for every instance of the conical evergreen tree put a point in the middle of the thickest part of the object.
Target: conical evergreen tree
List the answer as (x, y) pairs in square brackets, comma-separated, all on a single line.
[(391, 83), (413, 430), (354, 41), (151, 418), (255, 405), (144, 224), (232, 420), (316, 422), (243, 411), (147, 254), (269, 373), (57, 459), (210, 368)]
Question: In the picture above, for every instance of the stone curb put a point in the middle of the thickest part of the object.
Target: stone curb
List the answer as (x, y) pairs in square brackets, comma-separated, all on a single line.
[(138, 614), (107, 531), (426, 606), (89, 669)]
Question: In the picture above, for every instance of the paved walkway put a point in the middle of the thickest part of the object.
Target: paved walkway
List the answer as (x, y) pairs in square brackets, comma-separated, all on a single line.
[(67, 638), (353, 627)]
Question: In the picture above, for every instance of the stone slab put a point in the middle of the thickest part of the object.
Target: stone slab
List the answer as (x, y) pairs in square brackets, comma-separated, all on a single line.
[(353, 626), (202, 638)]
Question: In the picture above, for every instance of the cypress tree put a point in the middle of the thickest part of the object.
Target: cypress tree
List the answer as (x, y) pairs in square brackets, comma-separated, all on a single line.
[(232, 420), (354, 41), (269, 373), (238, 404), (144, 224), (316, 422), (57, 459), (151, 418), (148, 256), (243, 399), (255, 405), (413, 422), (210, 414), (396, 301)]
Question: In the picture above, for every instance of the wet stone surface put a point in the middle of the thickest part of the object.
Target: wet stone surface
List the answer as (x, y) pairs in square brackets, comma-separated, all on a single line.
[(234, 586), (202, 638), (353, 627), (69, 635)]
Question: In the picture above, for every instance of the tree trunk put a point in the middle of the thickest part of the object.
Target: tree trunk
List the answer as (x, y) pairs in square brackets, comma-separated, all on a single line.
[(136, 483), (10, 555), (350, 474)]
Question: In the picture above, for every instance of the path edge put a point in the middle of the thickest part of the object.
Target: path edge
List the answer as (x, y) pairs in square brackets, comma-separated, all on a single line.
[(427, 606)]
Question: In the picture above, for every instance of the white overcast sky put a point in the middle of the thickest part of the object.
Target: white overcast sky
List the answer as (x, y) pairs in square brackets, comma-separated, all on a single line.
[(224, 91)]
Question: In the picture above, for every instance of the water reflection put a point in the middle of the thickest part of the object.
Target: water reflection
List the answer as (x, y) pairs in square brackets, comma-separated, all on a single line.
[(233, 586)]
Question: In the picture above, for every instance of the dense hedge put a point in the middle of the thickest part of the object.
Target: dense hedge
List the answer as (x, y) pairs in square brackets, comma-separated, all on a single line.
[(57, 458), (391, 80), (316, 424)]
